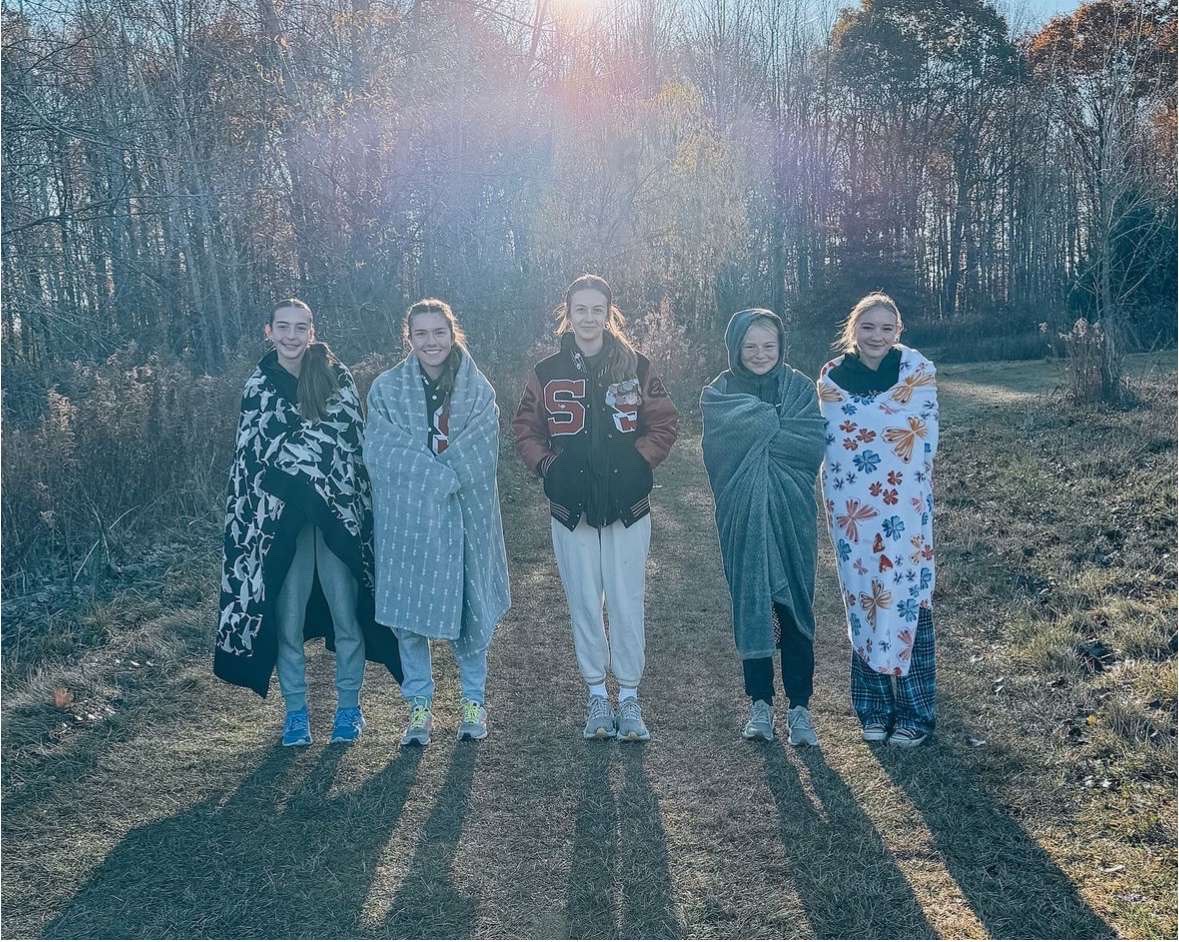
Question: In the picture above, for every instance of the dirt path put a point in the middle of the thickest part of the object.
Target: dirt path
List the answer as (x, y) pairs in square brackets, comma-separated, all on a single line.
[(190, 821)]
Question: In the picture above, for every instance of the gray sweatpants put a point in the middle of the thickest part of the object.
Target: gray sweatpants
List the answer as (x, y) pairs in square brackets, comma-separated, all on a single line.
[(339, 587)]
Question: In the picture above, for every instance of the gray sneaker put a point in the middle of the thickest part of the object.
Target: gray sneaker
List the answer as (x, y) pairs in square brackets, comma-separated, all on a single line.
[(421, 723), (473, 724), (761, 722), (875, 732), (600, 722), (907, 738), (802, 733), (630, 721)]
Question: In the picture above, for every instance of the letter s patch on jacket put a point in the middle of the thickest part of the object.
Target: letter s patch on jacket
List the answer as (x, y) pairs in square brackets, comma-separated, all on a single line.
[(563, 400)]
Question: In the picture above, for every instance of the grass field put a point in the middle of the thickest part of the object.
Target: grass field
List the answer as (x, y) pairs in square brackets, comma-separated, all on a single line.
[(144, 799)]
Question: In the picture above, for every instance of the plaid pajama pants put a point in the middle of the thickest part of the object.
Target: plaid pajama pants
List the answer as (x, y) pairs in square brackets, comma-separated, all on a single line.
[(898, 702)]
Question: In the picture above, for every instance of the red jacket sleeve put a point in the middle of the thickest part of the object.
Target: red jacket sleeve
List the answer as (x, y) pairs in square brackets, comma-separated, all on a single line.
[(659, 421), (530, 427)]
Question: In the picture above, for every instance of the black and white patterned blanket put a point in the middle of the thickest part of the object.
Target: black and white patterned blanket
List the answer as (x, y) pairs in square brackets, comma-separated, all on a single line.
[(288, 472)]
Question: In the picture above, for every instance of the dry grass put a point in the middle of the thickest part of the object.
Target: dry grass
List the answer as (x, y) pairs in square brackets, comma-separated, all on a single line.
[(167, 810)]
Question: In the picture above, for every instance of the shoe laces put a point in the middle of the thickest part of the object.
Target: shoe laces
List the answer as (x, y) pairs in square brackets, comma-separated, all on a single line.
[(295, 721), (629, 708), (470, 711), (599, 706), (419, 714), (802, 718), (760, 712)]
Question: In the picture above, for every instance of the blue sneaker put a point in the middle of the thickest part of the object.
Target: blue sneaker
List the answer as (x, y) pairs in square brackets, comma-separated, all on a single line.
[(349, 722), (296, 731)]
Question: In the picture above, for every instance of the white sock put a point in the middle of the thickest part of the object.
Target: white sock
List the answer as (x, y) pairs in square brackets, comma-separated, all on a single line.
[(598, 690), (627, 693)]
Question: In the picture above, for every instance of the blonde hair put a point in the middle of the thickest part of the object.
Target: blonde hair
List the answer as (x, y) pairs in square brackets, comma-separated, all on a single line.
[(450, 367), (845, 341), (622, 360)]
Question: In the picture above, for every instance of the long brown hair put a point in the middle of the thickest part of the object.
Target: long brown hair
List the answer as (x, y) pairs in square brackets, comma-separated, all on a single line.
[(845, 342), (445, 382), (317, 373), (622, 360)]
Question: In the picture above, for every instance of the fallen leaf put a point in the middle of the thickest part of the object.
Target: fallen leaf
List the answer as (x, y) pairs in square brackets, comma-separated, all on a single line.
[(977, 742), (62, 698), (1116, 868)]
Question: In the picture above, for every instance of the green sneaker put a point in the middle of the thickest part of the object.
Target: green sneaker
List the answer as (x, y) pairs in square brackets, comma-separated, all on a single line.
[(473, 724), (630, 722), (761, 722), (600, 722), (421, 723)]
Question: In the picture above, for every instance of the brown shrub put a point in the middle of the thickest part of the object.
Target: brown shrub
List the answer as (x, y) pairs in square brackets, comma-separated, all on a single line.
[(126, 447)]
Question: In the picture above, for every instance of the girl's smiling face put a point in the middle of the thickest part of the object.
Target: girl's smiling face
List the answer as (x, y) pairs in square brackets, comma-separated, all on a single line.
[(875, 334), (431, 341), (760, 349), (291, 330), (588, 312)]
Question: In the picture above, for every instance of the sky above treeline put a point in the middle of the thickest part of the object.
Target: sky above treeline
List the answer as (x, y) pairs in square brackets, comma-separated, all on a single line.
[(1043, 10)]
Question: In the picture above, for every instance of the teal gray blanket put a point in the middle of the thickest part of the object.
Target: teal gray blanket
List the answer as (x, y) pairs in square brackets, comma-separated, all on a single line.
[(762, 461), (441, 569)]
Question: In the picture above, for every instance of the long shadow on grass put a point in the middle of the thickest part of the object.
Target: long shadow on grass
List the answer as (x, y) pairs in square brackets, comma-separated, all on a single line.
[(619, 874), (269, 860), (1015, 888), (428, 905), (589, 900), (845, 876), (648, 898)]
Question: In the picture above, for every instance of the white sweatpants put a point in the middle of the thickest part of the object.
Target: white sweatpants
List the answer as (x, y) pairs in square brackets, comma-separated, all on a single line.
[(610, 565)]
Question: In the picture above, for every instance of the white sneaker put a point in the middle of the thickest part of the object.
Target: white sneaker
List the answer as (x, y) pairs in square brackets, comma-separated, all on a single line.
[(761, 722), (631, 727), (907, 738), (875, 732), (600, 722), (802, 733)]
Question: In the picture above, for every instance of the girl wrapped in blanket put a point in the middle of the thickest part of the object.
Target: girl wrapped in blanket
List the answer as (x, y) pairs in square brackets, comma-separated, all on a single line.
[(763, 443), (432, 449), (879, 400), (298, 531)]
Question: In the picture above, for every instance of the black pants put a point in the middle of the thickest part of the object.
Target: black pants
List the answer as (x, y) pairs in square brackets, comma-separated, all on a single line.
[(798, 665)]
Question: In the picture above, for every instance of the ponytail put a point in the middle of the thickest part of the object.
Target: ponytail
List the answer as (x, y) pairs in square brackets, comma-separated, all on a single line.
[(317, 381)]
